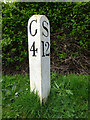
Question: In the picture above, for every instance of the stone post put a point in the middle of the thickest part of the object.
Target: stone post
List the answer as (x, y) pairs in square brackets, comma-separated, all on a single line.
[(39, 55)]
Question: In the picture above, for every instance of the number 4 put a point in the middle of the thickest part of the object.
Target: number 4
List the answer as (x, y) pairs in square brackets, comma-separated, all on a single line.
[(33, 49)]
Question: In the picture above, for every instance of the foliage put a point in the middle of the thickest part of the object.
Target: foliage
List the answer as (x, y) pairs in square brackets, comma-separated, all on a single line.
[(72, 18), (68, 97)]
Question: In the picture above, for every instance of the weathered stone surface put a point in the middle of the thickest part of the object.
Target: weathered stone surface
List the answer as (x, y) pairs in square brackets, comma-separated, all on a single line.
[(39, 55)]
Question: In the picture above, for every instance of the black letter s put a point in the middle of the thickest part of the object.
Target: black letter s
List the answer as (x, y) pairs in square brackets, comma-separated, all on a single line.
[(45, 28)]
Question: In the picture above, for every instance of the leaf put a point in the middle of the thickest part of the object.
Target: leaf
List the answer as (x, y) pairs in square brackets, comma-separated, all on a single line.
[(69, 92)]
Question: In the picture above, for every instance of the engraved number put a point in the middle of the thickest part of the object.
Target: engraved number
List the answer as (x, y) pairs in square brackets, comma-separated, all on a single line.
[(45, 53), (33, 49)]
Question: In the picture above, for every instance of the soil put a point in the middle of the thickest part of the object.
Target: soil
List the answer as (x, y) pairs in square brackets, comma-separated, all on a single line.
[(78, 64)]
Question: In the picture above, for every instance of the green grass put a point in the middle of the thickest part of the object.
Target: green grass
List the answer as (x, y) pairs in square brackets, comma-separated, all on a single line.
[(68, 97)]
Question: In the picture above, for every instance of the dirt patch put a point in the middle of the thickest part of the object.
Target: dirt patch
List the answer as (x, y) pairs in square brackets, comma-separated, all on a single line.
[(76, 61)]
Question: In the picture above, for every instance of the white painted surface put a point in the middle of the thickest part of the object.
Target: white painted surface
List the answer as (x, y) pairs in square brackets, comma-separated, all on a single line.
[(39, 61)]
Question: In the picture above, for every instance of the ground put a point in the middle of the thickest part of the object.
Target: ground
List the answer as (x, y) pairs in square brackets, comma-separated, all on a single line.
[(66, 57)]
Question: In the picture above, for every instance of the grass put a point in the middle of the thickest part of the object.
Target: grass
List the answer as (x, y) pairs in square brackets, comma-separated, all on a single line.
[(68, 97)]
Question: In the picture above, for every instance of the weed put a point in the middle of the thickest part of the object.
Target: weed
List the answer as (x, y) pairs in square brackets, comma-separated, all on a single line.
[(68, 97)]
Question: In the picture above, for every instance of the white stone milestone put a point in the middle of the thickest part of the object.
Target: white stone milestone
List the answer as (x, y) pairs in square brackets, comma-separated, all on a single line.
[(39, 55)]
